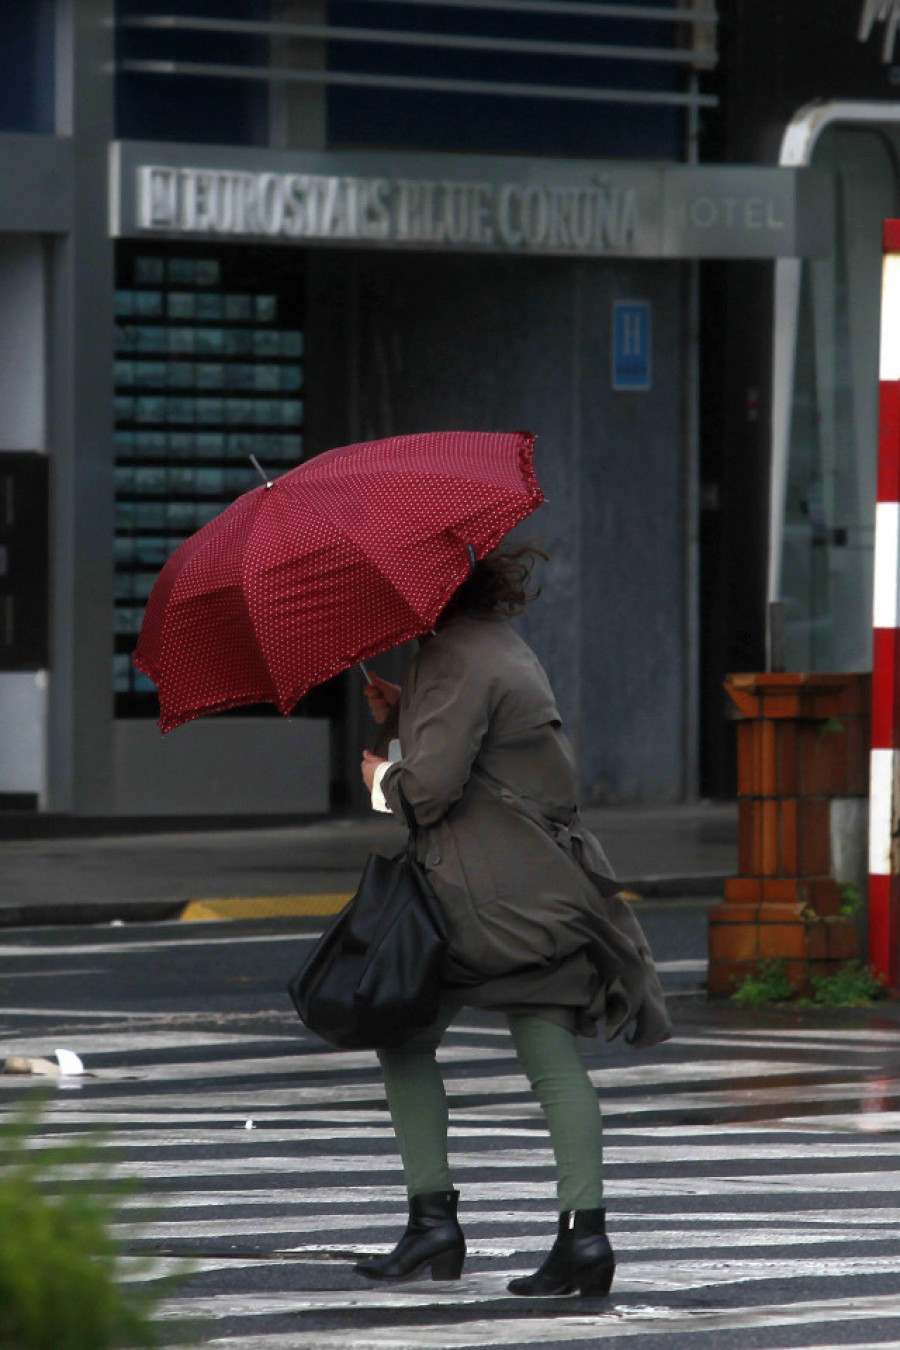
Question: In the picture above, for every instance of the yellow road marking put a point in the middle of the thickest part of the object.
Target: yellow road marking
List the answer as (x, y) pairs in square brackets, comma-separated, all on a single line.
[(262, 907)]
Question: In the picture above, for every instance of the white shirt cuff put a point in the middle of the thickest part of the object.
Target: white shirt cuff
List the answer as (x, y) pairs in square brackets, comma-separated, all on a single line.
[(378, 799)]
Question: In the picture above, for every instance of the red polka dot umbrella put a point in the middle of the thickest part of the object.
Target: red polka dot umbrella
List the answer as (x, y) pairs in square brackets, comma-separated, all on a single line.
[(341, 558)]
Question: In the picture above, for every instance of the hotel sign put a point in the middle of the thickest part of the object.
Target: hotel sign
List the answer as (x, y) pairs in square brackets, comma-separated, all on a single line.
[(468, 203)]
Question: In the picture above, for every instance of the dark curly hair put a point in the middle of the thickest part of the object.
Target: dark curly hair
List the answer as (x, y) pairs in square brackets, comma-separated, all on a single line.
[(499, 584)]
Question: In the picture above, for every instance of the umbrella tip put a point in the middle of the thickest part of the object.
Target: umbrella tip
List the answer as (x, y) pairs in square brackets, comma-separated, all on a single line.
[(261, 471)]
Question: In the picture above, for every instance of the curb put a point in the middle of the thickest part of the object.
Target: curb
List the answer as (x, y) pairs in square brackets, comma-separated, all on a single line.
[(701, 885)]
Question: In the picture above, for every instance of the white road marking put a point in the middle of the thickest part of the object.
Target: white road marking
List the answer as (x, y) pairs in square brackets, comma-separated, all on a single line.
[(613, 1322), (128, 948), (614, 1156)]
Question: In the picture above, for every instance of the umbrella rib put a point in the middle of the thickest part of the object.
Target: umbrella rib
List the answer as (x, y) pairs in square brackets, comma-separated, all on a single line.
[(213, 537)]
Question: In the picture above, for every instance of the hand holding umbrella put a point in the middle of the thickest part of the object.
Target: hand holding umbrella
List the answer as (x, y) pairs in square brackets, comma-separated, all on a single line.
[(382, 697)]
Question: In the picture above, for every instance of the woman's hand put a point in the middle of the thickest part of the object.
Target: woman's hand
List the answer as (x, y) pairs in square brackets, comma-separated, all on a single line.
[(369, 764), (382, 696)]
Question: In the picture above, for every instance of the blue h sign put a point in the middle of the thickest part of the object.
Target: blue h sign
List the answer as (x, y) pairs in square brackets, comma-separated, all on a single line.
[(631, 344)]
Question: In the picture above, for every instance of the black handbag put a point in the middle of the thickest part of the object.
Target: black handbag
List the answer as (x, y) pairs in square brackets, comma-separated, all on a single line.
[(373, 977)]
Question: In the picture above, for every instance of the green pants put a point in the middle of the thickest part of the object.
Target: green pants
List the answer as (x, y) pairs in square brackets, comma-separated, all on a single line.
[(551, 1059)]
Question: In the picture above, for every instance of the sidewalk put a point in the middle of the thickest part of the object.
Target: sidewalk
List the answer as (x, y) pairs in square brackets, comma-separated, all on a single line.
[(83, 877)]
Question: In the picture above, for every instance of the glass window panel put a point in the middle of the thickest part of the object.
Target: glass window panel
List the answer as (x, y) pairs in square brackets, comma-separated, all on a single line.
[(207, 511), (240, 342), (123, 548), (150, 515), (210, 375), (125, 337), (291, 412), (142, 683), (267, 378), (826, 574), (266, 308), (181, 340), (148, 304), (150, 444), (150, 373), (122, 669), (149, 271), (181, 481), (150, 408), (210, 482), (151, 339), (181, 271), (266, 342), (125, 515), (210, 410), (239, 480), (240, 377), (180, 305), (180, 409), (179, 515), (124, 408), (151, 480), (210, 341), (152, 550), (124, 304), (123, 372), (208, 305), (292, 447), (124, 444), (240, 444), (238, 410), (143, 584), (291, 378), (124, 480), (181, 444), (238, 307), (292, 343), (181, 374), (207, 272), (123, 586), (210, 444)]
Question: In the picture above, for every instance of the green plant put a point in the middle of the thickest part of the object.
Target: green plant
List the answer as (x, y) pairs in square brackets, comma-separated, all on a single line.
[(59, 1262), (830, 727), (768, 983), (851, 987), (851, 899)]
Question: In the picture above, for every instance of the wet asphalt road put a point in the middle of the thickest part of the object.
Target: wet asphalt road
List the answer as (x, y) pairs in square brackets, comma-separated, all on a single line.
[(752, 1162)]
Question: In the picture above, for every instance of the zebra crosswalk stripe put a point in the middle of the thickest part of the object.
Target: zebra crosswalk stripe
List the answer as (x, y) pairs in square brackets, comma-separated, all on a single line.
[(714, 1226)]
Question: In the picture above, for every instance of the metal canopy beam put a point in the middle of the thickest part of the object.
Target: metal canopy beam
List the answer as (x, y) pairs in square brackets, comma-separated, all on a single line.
[(490, 87)]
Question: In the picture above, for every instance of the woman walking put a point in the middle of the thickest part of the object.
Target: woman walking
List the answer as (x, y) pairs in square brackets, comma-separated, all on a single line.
[(537, 930)]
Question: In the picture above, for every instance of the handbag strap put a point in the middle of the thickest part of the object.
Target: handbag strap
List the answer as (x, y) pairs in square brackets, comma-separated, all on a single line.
[(408, 813)]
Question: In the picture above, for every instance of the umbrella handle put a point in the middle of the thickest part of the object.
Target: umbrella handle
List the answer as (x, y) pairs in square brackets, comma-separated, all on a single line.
[(362, 666)]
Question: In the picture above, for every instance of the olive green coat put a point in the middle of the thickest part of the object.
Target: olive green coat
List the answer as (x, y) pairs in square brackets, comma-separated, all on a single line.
[(535, 920)]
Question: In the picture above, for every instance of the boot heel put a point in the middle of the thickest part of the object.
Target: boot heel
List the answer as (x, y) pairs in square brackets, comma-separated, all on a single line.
[(448, 1266), (596, 1283)]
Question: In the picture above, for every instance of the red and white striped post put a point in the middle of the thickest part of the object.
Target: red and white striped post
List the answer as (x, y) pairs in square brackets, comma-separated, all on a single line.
[(884, 790)]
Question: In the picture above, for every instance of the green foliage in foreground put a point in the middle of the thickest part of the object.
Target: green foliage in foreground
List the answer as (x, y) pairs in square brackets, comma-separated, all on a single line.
[(853, 986), (767, 984), (59, 1276)]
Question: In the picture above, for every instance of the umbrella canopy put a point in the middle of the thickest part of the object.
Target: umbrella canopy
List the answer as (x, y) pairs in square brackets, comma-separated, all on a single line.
[(347, 555)]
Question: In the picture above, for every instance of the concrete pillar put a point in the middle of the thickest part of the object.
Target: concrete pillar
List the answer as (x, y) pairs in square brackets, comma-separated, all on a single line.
[(80, 373)]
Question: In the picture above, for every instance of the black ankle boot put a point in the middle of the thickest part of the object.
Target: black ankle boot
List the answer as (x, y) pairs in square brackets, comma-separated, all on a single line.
[(433, 1237), (580, 1258)]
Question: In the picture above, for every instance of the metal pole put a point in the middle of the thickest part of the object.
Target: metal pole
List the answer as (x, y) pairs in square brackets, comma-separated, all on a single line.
[(691, 481), (884, 789)]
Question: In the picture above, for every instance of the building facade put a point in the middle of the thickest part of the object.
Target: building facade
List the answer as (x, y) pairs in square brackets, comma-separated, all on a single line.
[(270, 228)]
